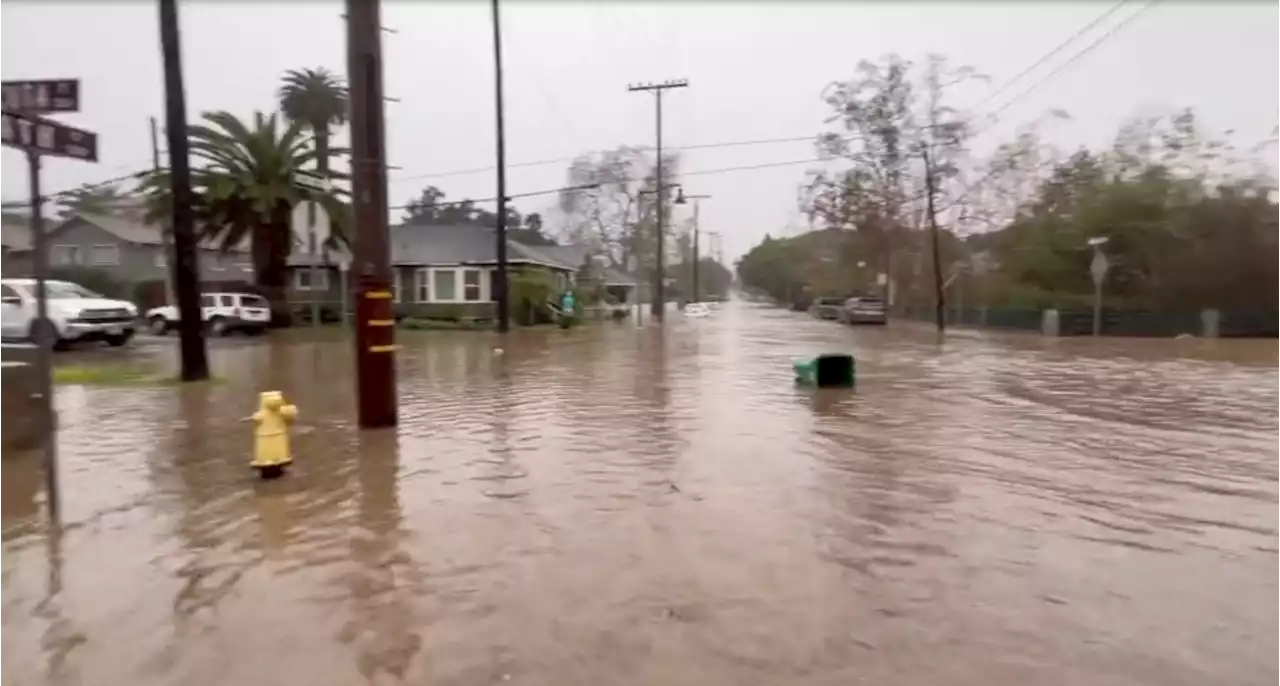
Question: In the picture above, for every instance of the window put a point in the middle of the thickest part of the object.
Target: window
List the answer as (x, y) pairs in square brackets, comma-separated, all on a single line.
[(208, 301), (162, 257), (226, 301), (445, 284), (10, 296), (102, 255), (307, 279), (471, 285), (422, 287), (493, 283), (66, 255)]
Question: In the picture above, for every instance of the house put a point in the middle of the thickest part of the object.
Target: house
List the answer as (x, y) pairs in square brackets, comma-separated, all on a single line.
[(15, 243), (123, 246), (619, 286), (443, 268)]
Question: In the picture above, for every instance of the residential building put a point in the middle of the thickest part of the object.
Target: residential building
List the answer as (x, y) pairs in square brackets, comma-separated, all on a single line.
[(124, 247), (441, 268)]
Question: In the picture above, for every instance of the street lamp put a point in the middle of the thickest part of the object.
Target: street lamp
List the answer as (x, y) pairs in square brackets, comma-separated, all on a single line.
[(682, 199), (1098, 270)]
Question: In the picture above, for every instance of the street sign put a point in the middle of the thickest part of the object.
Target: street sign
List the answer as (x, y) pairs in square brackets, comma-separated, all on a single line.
[(1099, 267), (47, 137), (311, 181), (311, 225), (43, 96)]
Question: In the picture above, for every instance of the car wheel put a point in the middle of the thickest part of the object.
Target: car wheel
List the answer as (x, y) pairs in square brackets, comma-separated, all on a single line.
[(218, 326), (159, 325), (43, 330), (119, 339)]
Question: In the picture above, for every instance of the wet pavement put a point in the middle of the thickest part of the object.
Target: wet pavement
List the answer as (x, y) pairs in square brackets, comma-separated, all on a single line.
[(602, 506)]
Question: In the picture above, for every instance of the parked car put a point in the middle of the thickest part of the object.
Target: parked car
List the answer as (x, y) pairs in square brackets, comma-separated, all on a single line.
[(222, 313), (74, 313), (826, 308), (863, 310)]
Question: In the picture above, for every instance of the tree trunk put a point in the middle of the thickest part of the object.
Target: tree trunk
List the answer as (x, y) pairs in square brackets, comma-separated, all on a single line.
[(322, 148), (271, 244)]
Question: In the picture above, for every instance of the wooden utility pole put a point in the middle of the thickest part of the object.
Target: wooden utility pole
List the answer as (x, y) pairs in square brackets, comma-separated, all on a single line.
[(186, 269), (375, 321), (939, 292), (659, 304), (500, 283)]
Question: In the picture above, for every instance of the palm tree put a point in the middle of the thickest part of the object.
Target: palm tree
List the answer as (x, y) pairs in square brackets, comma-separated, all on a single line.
[(318, 99), (92, 200), (242, 180)]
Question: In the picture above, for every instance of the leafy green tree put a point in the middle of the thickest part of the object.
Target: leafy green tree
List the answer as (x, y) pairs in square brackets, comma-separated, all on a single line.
[(242, 180)]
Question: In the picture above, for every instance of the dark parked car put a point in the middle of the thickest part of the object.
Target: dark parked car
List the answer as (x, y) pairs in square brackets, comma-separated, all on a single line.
[(863, 310), (826, 308)]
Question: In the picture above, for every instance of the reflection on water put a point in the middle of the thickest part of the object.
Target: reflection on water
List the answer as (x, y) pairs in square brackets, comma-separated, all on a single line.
[(622, 506)]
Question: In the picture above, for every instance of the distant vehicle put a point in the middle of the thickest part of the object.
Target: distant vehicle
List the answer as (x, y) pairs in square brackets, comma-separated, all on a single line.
[(826, 308), (75, 313), (222, 313), (863, 310), (697, 310)]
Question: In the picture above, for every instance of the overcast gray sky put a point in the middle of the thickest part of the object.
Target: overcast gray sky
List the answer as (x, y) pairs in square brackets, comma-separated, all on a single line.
[(756, 71)]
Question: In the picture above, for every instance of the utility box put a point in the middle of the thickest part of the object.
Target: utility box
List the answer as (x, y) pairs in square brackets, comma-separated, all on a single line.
[(827, 371)]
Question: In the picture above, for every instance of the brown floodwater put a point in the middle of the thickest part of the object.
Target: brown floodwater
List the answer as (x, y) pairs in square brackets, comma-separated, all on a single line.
[(614, 505)]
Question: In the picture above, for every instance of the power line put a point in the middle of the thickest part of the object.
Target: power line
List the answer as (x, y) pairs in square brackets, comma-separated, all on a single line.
[(133, 176), (1115, 29), (1051, 54)]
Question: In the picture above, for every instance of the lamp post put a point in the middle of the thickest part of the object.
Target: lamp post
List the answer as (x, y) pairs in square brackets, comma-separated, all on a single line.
[(1098, 270), (681, 199), (658, 303)]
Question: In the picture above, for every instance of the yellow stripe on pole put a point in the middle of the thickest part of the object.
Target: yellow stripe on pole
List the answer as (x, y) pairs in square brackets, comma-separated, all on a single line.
[(382, 322), (383, 348), (378, 295)]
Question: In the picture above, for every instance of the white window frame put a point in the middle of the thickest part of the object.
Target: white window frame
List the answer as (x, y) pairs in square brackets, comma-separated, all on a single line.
[(421, 278), (479, 285), (110, 255), (395, 285), (66, 255), (435, 291), (322, 279)]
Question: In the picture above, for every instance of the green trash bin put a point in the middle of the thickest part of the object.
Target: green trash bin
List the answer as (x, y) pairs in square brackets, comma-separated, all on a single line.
[(827, 371)]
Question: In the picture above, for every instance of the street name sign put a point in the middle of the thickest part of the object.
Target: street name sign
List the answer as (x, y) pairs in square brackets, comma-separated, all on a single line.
[(47, 137), (44, 96)]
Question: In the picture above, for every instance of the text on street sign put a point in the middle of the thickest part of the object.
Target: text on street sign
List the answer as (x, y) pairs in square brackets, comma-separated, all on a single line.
[(45, 96), (48, 137)]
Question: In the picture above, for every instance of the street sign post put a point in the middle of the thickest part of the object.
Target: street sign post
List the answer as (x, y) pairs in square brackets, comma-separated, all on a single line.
[(311, 225), (1098, 270), (46, 96), (22, 127)]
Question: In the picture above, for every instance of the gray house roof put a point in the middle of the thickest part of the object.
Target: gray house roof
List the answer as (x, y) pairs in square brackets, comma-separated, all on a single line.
[(424, 244)]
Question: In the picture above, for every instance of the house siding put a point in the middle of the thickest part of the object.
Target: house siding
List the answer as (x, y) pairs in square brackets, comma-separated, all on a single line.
[(137, 261)]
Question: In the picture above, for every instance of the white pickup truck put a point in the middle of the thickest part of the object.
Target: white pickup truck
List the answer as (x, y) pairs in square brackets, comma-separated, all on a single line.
[(222, 313), (75, 313)]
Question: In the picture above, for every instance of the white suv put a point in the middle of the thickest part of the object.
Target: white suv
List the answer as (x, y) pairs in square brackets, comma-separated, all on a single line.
[(222, 313), (75, 313)]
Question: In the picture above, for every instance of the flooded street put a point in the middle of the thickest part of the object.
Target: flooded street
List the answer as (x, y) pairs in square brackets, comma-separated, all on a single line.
[(609, 506)]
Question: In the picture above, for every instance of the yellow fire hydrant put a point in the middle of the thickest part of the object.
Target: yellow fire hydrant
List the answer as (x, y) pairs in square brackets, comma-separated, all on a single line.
[(271, 434)]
